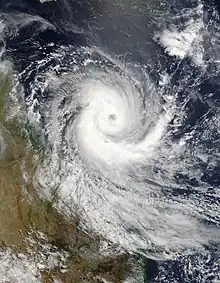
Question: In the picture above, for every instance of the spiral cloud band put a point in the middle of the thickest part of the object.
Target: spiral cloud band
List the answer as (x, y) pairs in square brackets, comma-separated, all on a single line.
[(111, 157)]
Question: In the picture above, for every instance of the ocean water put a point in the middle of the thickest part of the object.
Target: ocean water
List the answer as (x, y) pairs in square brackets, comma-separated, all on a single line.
[(122, 98)]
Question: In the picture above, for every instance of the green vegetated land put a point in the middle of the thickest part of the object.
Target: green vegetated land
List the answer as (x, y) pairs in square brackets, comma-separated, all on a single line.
[(22, 212)]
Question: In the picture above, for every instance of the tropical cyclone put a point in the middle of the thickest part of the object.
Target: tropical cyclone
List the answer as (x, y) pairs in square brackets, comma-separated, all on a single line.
[(111, 158)]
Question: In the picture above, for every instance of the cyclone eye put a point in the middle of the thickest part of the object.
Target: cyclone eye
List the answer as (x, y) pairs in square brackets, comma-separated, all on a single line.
[(112, 117)]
